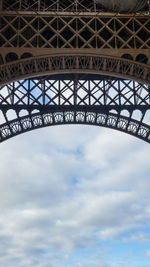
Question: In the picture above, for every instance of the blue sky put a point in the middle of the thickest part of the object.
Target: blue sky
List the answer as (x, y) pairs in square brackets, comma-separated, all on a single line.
[(74, 196)]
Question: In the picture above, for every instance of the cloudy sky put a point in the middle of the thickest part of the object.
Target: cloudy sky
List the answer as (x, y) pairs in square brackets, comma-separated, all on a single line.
[(74, 196)]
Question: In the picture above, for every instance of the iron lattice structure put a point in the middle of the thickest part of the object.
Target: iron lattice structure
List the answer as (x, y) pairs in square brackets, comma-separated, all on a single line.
[(66, 62)]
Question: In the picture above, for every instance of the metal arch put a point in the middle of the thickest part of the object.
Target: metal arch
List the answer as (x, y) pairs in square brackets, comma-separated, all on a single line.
[(82, 99), (74, 116), (65, 39), (74, 63)]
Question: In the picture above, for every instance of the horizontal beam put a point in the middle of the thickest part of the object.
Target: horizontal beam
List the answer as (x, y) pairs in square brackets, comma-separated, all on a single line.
[(87, 108), (76, 13)]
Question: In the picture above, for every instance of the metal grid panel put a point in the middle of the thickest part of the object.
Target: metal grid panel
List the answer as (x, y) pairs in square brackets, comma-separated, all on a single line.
[(46, 91), (65, 5), (100, 102), (55, 31)]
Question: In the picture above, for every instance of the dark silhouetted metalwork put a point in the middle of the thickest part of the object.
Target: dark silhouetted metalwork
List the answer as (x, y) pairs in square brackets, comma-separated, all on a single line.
[(73, 62)]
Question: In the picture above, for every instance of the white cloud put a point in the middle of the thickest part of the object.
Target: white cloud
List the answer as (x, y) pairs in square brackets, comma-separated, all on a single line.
[(147, 253), (64, 188)]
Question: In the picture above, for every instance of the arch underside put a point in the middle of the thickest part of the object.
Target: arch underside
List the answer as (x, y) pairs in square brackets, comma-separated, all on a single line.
[(91, 100), (74, 63), (69, 64), (70, 115), (95, 90)]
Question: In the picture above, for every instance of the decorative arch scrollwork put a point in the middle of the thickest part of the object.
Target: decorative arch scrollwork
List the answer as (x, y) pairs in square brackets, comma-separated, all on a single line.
[(60, 64), (72, 116)]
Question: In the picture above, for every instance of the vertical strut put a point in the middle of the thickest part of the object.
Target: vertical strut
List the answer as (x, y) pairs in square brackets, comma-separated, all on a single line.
[(43, 91), (75, 89)]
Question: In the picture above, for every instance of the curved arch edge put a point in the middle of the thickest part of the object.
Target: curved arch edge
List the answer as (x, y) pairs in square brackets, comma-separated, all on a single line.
[(91, 63), (40, 120)]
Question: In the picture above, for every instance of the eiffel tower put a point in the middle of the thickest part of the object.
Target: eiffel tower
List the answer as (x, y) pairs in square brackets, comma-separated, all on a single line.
[(75, 62)]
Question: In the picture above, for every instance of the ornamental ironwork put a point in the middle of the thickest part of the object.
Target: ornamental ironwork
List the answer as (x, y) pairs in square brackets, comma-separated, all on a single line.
[(73, 62)]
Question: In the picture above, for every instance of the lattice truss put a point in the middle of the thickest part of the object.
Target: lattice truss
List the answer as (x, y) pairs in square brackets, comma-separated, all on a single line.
[(109, 102), (129, 34), (58, 5), (45, 5), (45, 44)]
